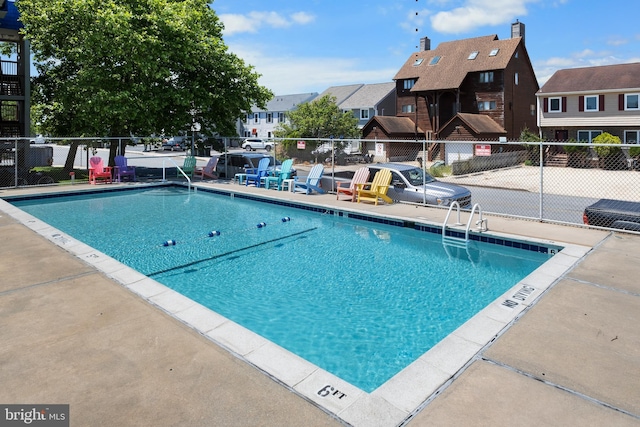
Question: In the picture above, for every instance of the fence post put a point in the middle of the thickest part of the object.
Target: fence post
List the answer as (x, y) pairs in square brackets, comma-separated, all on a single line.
[(541, 182), (15, 163), (424, 169)]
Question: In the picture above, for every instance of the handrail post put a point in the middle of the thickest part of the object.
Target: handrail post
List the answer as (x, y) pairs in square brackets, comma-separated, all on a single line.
[(446, 219), (179, 169)]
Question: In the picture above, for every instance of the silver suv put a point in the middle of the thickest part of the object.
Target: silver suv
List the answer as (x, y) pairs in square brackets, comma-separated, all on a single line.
[(412, 184), (252, 144)]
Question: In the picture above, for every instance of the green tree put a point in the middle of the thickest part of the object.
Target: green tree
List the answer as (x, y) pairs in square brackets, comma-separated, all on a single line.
[(320, 118), (121, 67)]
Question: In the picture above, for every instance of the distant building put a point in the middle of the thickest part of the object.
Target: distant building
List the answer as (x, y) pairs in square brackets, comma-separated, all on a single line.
[(581, 103), (15, 90), (362, 100), (370, 100), (261, 123)]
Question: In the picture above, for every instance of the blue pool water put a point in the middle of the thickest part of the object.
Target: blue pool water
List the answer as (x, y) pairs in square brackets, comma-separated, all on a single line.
[(360, 300)]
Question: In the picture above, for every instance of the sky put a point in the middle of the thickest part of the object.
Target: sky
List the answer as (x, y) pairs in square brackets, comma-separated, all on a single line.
[(308, 46)]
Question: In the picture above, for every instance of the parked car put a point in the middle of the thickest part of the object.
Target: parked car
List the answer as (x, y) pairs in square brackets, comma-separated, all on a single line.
[(38, 140), (413, 184), (610, 213), (232, 163), (252, 144), (174, 143), (348, 147)]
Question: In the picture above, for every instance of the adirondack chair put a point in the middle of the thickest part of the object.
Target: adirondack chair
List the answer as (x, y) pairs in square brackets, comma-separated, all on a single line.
[(312, 183), (188, 167), (98, 171), (349, 188), (255, 176), (285, 173), (377, 189), (209, 170), (122, 170)]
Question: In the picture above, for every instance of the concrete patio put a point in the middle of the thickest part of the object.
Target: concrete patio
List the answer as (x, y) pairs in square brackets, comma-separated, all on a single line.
[(72, 335)]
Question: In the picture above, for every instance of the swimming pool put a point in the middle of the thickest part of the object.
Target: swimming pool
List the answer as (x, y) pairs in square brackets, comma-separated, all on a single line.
[(359, 299)]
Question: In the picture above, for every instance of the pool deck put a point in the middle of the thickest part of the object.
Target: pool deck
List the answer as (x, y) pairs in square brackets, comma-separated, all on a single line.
[(572, 358)]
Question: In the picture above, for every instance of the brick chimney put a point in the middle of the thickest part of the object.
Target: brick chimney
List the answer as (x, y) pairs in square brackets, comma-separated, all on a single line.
[(425, 44), (517, 30)]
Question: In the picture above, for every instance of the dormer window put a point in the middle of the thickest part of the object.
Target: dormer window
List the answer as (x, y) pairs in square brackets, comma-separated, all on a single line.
[(435, 60), (473, 55), (408, 84), (494, 52)]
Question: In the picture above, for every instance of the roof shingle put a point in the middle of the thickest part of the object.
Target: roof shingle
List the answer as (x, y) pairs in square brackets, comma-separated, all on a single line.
[(454, 63), (590, 79), (397, 125)]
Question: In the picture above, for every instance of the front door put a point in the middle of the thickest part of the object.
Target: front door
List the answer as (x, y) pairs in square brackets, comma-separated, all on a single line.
[(562, 135)]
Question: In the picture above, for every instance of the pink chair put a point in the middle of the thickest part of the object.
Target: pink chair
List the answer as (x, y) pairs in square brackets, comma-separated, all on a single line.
[(209, 170), (97, 170), (349, 188)]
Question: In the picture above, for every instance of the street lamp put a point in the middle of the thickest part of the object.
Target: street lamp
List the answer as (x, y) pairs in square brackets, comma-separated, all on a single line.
[(195, 127)]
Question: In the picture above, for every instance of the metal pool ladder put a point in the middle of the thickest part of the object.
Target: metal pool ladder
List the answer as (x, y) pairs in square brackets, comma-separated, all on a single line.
[(460, 242), (164, 175)]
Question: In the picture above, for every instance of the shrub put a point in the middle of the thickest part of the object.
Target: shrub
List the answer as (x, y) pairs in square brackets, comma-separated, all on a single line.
[(533, 150), (606, 150), (580, 148), (440, 171), (634, 151)]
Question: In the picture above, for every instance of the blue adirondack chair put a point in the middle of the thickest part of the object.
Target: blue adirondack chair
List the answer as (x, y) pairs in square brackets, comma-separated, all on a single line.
[(312, 183), (285, 173), (254, 176)]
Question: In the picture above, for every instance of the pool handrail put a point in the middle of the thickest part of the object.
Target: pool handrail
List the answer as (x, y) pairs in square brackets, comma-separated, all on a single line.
[(164, 174)]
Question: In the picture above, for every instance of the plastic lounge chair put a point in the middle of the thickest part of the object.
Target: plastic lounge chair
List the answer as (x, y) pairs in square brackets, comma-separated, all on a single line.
[(188, 166), (312, 183), (349, 188), (285, 173), (123, 170), (97, 171), (377, 189), (254, 176), (209, 170)]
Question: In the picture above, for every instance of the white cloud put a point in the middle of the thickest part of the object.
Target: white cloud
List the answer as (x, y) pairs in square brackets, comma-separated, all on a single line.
[(585, 58), (236, 24), (617, 41), (253, 21), (415, 20), (302, 18), (315, 74), (478, 13)]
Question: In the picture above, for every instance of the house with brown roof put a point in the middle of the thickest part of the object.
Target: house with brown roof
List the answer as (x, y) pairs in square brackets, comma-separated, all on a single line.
[(581, 103), (477, 89)]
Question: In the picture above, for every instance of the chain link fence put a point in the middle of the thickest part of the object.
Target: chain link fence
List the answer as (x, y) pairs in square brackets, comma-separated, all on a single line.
[(547, 181)]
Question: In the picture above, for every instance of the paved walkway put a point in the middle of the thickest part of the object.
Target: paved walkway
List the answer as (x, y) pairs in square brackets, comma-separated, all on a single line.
[(71, 335)]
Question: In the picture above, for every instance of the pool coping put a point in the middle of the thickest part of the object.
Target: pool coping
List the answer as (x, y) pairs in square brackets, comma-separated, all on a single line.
[(394, 402)]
